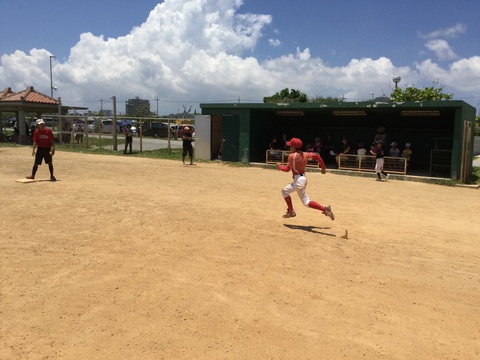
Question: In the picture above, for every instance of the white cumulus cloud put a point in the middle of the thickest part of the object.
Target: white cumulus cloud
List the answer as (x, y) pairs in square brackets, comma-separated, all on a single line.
[(450, 32), (441, 48), (274, 42)]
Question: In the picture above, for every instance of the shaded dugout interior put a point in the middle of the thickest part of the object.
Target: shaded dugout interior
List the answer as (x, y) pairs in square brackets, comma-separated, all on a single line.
[(437, 130)]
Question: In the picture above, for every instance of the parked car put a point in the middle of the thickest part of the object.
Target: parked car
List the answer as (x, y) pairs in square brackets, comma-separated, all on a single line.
[(49, 122), (106, 126), (78, 124), (155, 129), (11, 122)]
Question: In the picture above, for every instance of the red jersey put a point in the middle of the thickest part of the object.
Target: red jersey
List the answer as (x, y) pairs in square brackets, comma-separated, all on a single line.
[(43, 138), (298, 160)]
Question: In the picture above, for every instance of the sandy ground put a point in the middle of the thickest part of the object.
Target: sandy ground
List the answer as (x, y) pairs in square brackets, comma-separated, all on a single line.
[(129, 258)]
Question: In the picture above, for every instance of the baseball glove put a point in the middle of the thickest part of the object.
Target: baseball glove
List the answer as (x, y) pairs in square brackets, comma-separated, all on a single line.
[(52, 151)]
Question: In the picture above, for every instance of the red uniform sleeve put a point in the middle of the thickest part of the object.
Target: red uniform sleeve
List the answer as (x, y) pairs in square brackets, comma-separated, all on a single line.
[(318, 159), (287, 167)]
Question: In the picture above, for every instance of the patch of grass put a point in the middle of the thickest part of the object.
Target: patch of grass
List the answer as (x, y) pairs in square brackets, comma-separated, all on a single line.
[(474, 177), (8, 145), (93, 143), (239, 164), (172, 154)]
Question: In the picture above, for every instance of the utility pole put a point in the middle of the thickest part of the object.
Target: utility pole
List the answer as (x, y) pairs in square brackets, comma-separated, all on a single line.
[(51, 76), (114, 99), (60, 120)]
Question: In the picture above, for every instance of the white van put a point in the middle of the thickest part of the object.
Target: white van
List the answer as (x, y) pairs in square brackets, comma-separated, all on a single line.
[(106, 126)]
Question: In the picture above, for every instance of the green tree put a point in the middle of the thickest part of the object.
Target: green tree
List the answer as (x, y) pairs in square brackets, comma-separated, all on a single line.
[(287, 96), (411, 93), (329, 99), (142, 110)]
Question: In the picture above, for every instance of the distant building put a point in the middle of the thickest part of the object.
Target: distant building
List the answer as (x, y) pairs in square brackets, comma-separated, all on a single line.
[(137, 107)]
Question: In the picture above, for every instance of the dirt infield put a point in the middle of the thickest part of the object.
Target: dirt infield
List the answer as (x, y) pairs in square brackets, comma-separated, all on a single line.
[(130, 258)]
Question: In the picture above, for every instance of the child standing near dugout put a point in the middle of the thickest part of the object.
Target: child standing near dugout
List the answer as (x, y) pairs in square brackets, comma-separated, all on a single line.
[(297, 162), (379, 155)]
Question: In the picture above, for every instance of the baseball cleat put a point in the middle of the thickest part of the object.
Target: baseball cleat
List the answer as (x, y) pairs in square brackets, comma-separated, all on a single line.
[(328, 212), (289, 214)]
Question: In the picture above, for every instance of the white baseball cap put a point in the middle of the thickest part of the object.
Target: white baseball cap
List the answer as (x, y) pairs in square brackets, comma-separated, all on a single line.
[(40, 121)]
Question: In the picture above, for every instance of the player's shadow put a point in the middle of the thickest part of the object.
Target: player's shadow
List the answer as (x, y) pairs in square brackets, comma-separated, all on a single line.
[(312, 229)]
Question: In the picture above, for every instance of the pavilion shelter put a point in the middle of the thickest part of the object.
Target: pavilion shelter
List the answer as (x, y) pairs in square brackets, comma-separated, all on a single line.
[(25, 102)]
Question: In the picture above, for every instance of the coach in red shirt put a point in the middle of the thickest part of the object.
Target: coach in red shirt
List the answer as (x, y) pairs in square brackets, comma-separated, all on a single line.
[(44, 143)]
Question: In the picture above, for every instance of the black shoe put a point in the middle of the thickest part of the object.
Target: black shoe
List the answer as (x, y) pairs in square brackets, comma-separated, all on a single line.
[(53, 178)]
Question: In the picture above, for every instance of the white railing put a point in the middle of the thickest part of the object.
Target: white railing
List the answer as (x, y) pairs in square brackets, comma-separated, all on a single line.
[(281, 156), (395, 165)]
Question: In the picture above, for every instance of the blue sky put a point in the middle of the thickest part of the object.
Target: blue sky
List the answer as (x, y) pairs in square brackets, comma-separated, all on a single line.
[(189, 51)]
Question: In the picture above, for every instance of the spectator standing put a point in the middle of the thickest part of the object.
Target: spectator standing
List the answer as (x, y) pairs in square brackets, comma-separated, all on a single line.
[(128, 138), (187, 139), (16, 133), (284, 142), (79, 135), (328, 153), (380, 135), (318, 145), (32, 130)]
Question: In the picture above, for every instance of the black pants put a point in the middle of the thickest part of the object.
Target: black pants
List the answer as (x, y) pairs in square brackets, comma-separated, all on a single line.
[(128, 143)]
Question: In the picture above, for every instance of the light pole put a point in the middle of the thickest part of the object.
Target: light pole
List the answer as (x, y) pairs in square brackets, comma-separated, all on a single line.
[(51, 78), (396, 79)]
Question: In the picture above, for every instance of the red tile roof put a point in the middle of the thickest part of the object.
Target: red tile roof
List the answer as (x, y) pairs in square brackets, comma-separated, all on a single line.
[(29, 95), (8, 91)]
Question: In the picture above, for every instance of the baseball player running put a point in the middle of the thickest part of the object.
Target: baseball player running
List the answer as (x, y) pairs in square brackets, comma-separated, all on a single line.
[(297, 162)]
